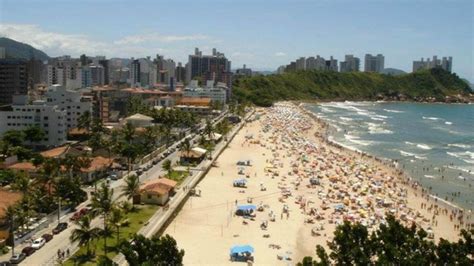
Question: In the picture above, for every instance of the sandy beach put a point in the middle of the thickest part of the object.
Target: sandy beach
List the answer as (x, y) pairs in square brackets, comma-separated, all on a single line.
[(303, 187)]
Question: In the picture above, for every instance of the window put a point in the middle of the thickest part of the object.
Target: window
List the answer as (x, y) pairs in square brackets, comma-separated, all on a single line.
[(149, 196), (45, 124), (45, 118)]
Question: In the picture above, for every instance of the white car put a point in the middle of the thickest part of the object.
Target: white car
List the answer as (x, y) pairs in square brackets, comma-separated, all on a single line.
[(38, 243)]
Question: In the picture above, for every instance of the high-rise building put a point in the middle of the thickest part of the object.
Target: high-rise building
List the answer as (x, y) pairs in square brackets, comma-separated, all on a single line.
[(106, 65), (20, 115), (70, 101), (215, 66), (351, 64), (143, 73), (14, 79), (244, 71), (374, 63), (180, 73), (301, 63), (446, 63), (166, 70), (317, 63), (97, 75), (2, 53), (134, 73), (331, 64)]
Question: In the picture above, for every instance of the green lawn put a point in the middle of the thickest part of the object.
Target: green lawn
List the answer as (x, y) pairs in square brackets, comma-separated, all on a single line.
[(178, 176), (136, 221)]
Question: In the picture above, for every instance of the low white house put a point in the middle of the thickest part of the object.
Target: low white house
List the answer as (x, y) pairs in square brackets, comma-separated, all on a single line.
[(139, 120)]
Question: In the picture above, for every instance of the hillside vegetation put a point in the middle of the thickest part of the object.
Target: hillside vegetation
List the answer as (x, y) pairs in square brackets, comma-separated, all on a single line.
[(20, 50), (318, 85)]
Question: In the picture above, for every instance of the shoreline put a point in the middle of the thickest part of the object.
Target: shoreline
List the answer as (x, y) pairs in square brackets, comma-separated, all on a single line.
[(285, 155), (389, 162)]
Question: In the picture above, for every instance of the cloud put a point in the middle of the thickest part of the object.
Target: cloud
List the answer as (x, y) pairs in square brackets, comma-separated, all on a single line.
[(280, 54), (156, 37), (55, 44)]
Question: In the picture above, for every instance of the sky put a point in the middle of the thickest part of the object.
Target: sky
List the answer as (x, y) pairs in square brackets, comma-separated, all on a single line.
[(263, 34)]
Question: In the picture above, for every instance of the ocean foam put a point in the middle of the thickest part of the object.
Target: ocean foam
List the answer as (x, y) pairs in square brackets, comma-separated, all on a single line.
[(430, 176), (448, 123), (464, 146), (345, 118), (431, 118), (393, 111), (423, 146), (356, 140)]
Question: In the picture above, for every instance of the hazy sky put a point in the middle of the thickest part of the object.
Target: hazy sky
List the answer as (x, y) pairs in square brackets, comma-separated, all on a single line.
[(262, 34)]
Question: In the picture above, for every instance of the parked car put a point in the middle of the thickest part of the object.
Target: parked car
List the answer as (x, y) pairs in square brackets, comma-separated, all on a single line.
[(38, 243), (59, 228), (139, 172), (6, 263), (28, 251), (113, 177), (17, 258), (47, 237), (77, 215)]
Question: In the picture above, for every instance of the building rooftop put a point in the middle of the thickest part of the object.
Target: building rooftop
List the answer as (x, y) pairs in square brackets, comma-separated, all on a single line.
[(56, 152), (7, 199), (194, 101), (158, 186)]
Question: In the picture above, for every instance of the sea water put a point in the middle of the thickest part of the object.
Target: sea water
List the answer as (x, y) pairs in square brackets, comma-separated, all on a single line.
[(432, 143)]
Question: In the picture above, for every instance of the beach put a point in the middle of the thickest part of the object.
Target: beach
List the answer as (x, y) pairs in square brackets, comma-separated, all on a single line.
[(301, 186)]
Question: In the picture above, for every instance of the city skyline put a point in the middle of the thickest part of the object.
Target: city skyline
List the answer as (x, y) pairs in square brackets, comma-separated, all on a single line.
[(257, 34)]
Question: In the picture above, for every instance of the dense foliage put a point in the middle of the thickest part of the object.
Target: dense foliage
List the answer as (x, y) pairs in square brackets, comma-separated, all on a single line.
[(392, 244), (152, 251), (328, 85)]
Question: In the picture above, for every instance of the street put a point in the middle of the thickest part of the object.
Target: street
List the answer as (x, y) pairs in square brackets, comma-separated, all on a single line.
[(48, 254)]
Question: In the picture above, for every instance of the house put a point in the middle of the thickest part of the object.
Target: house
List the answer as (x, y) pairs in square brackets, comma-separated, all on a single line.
[(139, 120), (215, 137), (61, 152), (7, 199), (195, 155), (26, 167), (97, 167), (157, 191)]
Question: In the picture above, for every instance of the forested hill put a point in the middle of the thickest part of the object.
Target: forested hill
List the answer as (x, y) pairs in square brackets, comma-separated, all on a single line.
[(427, 85)]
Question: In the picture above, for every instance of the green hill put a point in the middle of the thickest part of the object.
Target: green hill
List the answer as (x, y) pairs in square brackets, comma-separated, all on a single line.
[(16, 49), (327, 85)]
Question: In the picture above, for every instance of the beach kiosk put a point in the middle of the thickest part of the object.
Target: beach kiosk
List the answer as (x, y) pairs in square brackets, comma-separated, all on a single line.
[(241, 253)]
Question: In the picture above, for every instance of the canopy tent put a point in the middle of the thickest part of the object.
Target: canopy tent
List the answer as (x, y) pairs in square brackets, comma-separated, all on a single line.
[(241, 249), (247, 207), (242, 180)]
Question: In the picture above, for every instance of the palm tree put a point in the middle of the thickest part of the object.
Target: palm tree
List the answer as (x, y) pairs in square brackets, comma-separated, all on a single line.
[(128, 132), (9, 217), (208, 129), (74, 164), (131, 187), (185, 146), (103, 204), (116, 219), (167, 166), (84, 234), (85, 121)]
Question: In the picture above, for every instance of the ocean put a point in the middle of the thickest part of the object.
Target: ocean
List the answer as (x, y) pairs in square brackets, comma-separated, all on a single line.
[(432, 143)]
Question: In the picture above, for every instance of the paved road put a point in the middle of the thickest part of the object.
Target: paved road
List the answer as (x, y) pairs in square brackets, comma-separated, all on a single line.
[(48, 254)]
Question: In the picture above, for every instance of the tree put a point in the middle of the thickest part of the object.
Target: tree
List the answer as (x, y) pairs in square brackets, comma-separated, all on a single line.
[(85, 121), (84, 234), (130, 152), (167, 166), (208, 129), (392, 244), (131, 187), (155, 251), (14, 138), (116, 218), (103, 204), (74, 164), (34, 134), (185, 146)]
